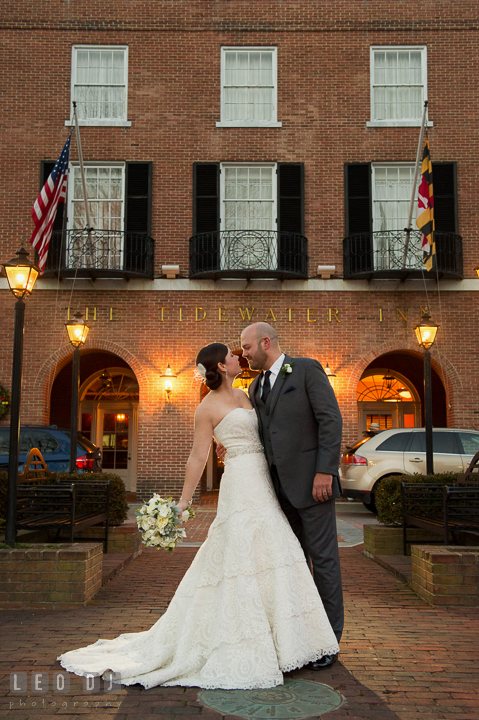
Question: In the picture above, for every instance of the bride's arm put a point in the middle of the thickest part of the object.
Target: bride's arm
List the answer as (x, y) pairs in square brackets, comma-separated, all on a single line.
[(198, 456)]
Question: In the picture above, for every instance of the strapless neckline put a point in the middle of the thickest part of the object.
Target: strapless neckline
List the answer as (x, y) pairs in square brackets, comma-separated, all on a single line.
[(232, 411)]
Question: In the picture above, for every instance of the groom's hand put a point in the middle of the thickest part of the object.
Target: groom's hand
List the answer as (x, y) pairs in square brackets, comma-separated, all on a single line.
[(322, 487), (221, 451)]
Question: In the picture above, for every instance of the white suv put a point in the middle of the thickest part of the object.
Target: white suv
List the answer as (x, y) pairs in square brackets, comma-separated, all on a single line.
[(402, 451)]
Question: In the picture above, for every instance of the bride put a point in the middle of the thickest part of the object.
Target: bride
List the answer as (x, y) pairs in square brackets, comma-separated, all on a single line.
[(247, 609)]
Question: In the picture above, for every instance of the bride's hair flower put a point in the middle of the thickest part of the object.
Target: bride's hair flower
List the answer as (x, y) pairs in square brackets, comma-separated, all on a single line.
[(202, 370)]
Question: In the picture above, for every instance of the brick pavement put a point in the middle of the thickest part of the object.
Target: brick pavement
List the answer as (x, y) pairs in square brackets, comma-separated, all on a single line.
[(400, 659)]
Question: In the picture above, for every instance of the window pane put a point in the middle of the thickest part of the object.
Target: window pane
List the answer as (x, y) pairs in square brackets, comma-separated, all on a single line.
[(100, 84), (470, 443), (248, 92), (418, 443), (395, 443)]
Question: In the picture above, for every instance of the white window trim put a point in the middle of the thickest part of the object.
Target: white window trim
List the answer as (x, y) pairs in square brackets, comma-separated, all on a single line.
[(397, 123), (274, 189), (250, 123), (98, 122), (100, 163)]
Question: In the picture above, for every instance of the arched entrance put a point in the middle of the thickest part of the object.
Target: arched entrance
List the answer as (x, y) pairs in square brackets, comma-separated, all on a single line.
[(390, 393), (109, 396)]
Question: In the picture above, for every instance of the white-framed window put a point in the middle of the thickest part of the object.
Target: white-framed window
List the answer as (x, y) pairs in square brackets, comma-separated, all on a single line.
[(248, 87), (391, 197), (105, 188), (99, 84), (398, 85), (248, 215)]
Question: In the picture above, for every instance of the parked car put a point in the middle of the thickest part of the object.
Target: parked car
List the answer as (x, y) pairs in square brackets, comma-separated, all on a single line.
[(54, 444), (402, 451)]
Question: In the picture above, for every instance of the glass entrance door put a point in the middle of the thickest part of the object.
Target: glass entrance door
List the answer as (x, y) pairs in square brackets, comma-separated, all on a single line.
[(116, 443)]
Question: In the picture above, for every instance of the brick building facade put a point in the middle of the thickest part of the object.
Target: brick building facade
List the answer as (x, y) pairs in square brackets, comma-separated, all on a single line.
[(279, 136)]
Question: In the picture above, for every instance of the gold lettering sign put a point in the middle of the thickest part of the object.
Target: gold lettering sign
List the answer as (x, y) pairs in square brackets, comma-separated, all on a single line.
[(222, 315), (246, 314), (289, 311), (400, 313), (197, 310), (181, 315), (114, 315), (308, 315), (380, 314), (334, 314), (87, 316), (270, 312), (68, 309), (162, 319)]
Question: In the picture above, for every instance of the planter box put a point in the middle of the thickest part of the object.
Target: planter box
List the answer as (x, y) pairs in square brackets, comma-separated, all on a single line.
[(446, 575), (65, 576), (121, 539), (381, 540)]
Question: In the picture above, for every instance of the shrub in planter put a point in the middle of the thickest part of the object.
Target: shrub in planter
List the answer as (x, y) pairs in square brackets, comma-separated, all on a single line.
[(388, 494), (118, 504)]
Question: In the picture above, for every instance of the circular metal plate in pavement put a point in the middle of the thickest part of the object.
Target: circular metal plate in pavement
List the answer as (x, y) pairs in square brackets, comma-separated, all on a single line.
[(295, 699)]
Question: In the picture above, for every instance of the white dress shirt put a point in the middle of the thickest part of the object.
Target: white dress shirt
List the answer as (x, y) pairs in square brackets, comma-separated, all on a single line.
[(274, 370)]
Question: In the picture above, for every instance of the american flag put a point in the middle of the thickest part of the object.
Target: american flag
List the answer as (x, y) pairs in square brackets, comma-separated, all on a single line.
[(425, 219), (45, 206)]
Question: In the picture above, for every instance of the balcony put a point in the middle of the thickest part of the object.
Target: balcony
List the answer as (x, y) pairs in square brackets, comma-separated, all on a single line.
[(100, 254), (249, 254), (383, 255)]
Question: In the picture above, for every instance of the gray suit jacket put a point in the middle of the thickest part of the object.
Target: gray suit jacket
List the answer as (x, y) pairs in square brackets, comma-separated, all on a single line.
[(305, 429)]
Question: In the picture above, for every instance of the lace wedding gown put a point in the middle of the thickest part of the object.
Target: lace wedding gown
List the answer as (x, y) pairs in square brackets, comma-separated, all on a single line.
[(247, 609)]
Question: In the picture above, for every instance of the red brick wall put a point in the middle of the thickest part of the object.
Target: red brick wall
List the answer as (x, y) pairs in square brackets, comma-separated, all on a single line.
[(173, 104)]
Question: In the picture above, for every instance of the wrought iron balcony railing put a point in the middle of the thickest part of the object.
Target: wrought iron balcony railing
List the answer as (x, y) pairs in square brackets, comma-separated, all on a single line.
[(384, 254), (249, 254), (100, 254)]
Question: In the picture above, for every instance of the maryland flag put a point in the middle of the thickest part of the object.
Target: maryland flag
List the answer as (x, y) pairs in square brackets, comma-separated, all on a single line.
[(425, 210)]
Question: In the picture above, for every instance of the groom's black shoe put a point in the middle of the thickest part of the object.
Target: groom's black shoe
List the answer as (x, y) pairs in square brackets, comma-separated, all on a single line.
[(326, 661)]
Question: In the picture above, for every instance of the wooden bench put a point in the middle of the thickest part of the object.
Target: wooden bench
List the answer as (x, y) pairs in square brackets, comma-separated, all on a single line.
[(59, 504), (443, 509)]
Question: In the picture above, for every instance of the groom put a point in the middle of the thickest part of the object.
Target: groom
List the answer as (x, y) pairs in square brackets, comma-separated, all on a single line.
[(300, 426)]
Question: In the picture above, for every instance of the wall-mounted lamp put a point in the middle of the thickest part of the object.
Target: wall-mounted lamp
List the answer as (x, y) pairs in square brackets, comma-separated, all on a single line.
[(329, 373), (168, 377)]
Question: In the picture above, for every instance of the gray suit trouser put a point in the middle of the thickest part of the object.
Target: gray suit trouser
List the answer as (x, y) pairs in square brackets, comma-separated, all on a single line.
[(315, 528)]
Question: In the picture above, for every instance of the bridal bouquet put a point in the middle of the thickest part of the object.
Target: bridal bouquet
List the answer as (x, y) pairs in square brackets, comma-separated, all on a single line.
[(159, 521)]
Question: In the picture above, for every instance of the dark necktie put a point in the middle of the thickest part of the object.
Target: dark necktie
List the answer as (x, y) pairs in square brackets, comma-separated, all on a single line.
[(266, 386)]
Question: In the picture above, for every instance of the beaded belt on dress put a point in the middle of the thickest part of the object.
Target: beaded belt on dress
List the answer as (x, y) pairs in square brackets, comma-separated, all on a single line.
[(235, 452)]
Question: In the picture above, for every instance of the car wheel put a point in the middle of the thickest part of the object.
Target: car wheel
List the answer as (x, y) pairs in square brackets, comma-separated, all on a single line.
[(371, 505)]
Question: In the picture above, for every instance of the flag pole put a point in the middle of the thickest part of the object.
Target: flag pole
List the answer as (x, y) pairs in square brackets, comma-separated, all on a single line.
[(82, 169), (414, 183)]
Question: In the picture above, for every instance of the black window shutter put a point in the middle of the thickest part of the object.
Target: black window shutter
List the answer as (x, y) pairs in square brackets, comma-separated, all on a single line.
[(358, 218), (138, 197), (290, 221), (445, 216), (445, 196), (206, 197), (55, 247), (204, 245), (291, 198), (138, 251)]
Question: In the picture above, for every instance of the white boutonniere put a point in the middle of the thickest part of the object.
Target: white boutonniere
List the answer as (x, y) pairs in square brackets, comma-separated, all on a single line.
[(287, 369)]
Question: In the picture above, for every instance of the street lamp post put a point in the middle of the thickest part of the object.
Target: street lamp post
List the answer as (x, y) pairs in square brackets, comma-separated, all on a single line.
[(426, 335), (21, 277), (77, 330)]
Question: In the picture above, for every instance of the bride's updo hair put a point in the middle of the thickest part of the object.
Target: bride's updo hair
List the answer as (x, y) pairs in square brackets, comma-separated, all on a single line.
[(209, 357)]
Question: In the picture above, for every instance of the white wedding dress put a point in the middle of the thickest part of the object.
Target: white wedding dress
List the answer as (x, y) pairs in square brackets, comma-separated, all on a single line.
[(247, 609)]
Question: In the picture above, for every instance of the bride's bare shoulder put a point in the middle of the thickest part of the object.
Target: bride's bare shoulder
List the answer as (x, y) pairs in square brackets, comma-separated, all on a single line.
[(242, 398)]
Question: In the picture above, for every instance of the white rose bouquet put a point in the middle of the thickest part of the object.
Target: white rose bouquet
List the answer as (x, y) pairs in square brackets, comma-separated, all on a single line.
[(159, 521)]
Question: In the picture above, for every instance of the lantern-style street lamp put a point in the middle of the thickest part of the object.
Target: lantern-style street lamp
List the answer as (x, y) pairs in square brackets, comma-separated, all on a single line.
[(77, 330), (21, 277), (426, 334)]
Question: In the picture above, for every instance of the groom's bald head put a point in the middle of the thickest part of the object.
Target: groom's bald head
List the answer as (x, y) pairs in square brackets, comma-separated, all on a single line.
[(260, 345)]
